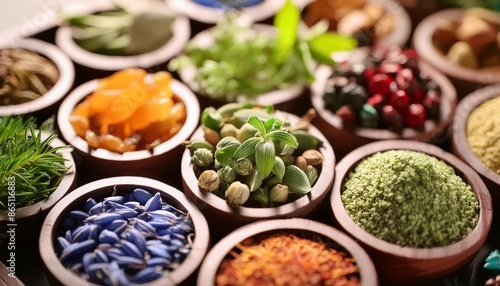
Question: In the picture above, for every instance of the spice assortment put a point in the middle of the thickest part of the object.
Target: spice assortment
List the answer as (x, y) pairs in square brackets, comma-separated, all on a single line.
[(473, 41), (251, 156), (130, 110), (135, 238), (30, 169), (228, 4), (386, 90), (410, 199), (24, 76), (483, 133), (274, 260)]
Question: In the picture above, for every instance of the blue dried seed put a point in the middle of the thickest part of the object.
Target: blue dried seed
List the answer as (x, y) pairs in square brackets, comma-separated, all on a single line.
[(98, 208), (171, 209), (100, 256), (117, 226), (128, 261), (87, 260), (77, 250), (116, 199), (147, 275), (161, 214), (141, 195), (89, 204), (154, 203), (159, 251), (116, 277), (76, 267), (113, 253), (159, 223), (95, 272), (62, 244), (162, 231), (143, 226), (157, 261), (153, 242), (69, 236), (135, 237), (69, 223), (107, 236), (103, 219), (78, 215), (131, 250), (126, 213), (133, 205), (104, 246), (81, 233), (95, 231), (176, 243), (177, 229)]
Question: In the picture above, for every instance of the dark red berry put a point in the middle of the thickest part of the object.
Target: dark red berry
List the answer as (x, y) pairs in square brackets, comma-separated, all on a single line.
[(399, 100), (380, 83), (377, 101), (404, 77), (347, 115), (390, 68), (392, 118), (432, 103), (416, 96), (370, 72), (354, 95), (415, 115)]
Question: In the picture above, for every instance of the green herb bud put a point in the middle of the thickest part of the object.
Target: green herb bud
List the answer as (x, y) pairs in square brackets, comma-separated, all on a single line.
[(246, 131), (273, 180), (195, 144), (313, 157), (208, 181), (226, 174), (279, 194), (202, 157), (229, 130), (312, 174), (254, 180), (242, 166), (211, 136), (211, 118), (287, 159), (237, 193), (261, 196)]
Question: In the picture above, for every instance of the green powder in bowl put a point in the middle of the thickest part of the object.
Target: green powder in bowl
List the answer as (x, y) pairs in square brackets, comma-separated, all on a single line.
[(410, 199)]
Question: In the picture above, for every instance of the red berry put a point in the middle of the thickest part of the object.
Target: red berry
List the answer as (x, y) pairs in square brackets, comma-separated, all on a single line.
[(399, 100), (415, 115), (380, 83), (403, 78), (417, 96), (347, 115), (370, 72), (432, 103), (390, 68), (376, 100), (392, 118)]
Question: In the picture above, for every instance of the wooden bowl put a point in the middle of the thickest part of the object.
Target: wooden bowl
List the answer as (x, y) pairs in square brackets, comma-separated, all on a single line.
[(293, 99), (344, 140), (158, 163), (59, 275), (217, 210), (28, 220), (464, 79), (461, 146), (91, 65), (406, 265), (220, 251), (44, 106)]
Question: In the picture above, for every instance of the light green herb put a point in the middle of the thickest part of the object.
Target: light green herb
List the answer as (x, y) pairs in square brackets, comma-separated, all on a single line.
[(410, 199)]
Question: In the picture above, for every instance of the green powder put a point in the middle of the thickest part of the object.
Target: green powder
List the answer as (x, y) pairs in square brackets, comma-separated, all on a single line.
[(410, 199)]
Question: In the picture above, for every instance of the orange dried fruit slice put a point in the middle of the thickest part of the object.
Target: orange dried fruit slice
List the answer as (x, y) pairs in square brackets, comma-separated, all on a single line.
[(111, 143)]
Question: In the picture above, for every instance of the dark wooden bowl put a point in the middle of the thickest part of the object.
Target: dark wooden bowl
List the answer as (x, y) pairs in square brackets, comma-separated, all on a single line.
[(461, 146), (210, 266), (344, 140), (293, 99), (91, 65), (47, 104), (59, 275), (29, 219), (465, 80), (399, 265), (223, 218), (158, 163)]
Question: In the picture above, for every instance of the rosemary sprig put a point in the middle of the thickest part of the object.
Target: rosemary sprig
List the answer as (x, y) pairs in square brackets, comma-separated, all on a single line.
[(29, 160)]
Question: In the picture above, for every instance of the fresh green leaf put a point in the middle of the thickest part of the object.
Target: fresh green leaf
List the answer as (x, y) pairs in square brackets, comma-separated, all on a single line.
[(279, 167), (296, 180), (211, 118), (254, 180), (325, 44), (240, 117), (286, 22), (282, 136), (264, 157), (225, 150), (247, 148), (257, 123), (269, 124)]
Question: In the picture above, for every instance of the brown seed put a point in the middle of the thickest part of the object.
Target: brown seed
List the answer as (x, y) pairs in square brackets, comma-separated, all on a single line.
[(313, 157), (301, 162)]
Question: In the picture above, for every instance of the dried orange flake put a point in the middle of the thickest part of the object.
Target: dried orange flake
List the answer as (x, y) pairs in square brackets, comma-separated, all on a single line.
[(130, 110)]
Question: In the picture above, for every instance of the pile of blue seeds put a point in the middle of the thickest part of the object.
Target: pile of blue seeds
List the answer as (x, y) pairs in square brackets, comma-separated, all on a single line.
[(410, 199), (125, 240)]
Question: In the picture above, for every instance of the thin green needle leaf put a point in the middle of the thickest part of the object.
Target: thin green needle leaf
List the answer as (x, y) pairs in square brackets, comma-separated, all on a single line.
[(283, 136), (264, 157)]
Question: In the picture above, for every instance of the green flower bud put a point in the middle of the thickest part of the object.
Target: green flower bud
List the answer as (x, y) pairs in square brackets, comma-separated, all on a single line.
[(202, 157), (246, 131), (237, 193), (287, 159), (261, 196), (312, 174), (279, 194), (273, 180), (226, 174), (242, 166), (211, 136), (195, 144), (211, 118), (229, 130), (208, 181)]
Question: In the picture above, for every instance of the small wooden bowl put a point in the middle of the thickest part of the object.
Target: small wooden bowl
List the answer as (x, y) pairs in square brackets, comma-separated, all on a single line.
[(46, 105), (461, 146), (59, 275), (29, 219), (344, 140), (158, 163), (210, 266), (405, 265), (223, 218), (464, 79), (91, 65), (293, 99)]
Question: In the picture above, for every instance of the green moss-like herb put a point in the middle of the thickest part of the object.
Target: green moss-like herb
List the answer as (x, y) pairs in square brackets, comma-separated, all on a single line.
[(410, 199)]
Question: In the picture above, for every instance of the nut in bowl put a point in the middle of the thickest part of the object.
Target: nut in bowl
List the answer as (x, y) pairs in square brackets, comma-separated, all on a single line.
[(419, 212), (123, 230), (130, 123), (382, 94), (288, 252), (247, 162)]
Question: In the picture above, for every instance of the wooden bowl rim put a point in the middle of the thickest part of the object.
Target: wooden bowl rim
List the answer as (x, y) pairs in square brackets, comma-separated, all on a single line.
[(205, 38), (433, 130), (60, 88), (66, 185), (181, 91), (320, 189), (186, 268), (210, 265), (422, 41), (181, 32), (478, 234), (459, 132)]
